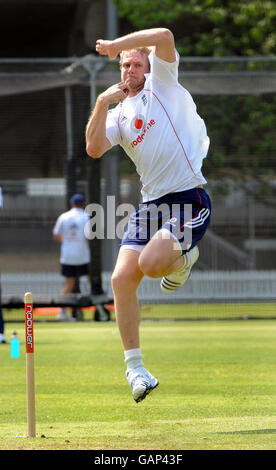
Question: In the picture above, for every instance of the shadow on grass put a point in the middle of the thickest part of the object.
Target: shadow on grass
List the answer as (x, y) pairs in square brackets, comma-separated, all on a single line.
[(253, 431)]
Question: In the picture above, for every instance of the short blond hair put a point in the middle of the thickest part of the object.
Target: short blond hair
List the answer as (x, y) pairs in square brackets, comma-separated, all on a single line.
[(143, 50)]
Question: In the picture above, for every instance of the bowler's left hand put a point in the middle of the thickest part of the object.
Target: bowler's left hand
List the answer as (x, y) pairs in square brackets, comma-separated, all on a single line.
[(106, 48)]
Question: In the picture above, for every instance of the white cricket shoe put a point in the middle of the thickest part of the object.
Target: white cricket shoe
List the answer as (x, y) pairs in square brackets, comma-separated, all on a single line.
[(175, 280), (63, 316), (3, 339), (141, 382)]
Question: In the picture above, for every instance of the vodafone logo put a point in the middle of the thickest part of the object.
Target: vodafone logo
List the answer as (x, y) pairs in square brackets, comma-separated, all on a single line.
[(144, 128), (138, 123)]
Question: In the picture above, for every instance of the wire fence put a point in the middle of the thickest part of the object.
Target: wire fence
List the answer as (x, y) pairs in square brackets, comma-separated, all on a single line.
[(46, 104)]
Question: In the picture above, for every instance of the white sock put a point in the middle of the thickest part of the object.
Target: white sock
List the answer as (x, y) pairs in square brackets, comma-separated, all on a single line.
[(133, 358)]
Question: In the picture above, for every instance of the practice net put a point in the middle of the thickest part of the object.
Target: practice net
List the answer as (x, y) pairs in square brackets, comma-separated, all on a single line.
[(45, 109)]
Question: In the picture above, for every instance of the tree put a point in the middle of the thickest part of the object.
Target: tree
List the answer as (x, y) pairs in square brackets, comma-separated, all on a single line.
[(209, 27), (241, 128)]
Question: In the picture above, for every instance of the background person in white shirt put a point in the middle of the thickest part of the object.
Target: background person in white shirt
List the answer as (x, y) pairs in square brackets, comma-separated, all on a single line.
[(156, 123), (75, 252)]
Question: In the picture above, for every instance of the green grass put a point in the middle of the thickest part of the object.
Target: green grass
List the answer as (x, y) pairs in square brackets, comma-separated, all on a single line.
[(217, 388), (210, 311)]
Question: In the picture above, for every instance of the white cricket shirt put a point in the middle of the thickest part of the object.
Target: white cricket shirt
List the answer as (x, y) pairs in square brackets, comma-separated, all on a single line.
[(74, 246), (160, 130)]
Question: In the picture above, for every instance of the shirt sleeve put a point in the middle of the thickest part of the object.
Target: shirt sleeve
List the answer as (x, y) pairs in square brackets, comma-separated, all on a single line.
[(163, 70), (112, 126), (57, 230)]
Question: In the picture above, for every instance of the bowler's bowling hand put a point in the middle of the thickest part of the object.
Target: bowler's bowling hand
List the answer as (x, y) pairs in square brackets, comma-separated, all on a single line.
[(106, 48), (115, 93)]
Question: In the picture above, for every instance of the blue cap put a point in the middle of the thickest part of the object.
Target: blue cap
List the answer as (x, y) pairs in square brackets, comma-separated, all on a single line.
[(77, 199)]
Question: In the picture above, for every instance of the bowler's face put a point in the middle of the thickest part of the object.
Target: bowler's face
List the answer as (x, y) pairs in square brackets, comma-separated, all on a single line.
[(133, 68)]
